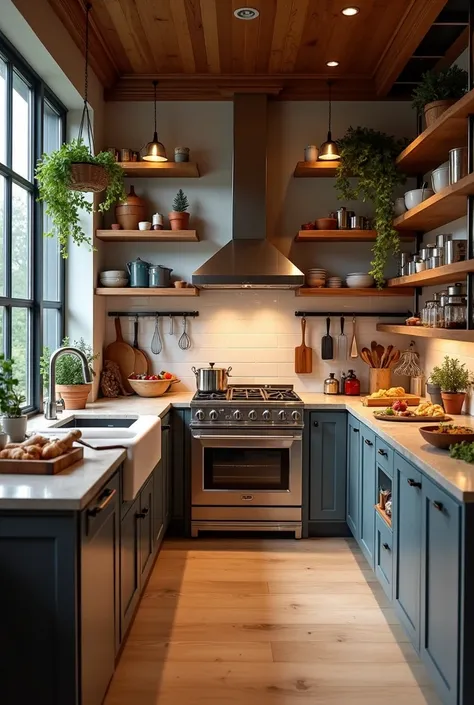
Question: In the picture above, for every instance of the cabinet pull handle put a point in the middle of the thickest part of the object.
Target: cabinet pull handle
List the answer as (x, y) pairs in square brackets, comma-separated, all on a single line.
[(315, 424), (106, 499), (413, 483), (368, 443), (438, 506), (142, 515), (386, 547), (165, 428), (382, 452), (356, 430)]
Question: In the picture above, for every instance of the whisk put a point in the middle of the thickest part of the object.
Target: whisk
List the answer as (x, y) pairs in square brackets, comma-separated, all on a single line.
[(408, 365), (156, 342), (171, 328), (185, 341)]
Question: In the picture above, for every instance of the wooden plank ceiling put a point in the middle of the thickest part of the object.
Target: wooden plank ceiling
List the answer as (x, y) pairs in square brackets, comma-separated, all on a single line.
[(199, 50)]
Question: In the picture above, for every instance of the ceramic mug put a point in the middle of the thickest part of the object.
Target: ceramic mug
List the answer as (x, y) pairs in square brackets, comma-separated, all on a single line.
[(144, 225)]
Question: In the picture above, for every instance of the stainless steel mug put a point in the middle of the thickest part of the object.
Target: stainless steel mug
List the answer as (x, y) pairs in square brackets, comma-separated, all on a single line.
[(457, 164)]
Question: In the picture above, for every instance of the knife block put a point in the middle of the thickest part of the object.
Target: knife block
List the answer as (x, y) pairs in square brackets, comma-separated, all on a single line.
[(379, 378)]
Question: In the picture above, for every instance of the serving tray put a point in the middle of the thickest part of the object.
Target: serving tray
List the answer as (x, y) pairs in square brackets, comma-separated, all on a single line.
[(411, 400), (418, 419), (41, 467)]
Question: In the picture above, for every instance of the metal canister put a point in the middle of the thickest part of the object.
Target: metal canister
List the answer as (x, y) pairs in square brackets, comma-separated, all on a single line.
[(442, 239), (331, 384), (357, 222), (455, 251), (457, 289), (457, 164), (342, 218), (435, 262), (404, 260), (311, 153), (443, 297), (438, 252), (412, 267)]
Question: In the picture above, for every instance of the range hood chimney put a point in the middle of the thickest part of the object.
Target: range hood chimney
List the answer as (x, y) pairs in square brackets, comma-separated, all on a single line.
[(249, 261)]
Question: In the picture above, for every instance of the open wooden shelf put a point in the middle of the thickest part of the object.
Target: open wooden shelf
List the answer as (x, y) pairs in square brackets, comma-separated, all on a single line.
[(430, 149), (462, 336), (307, 170), (342, 236), (384, 515), (131, 291), (439, 209), (346, 291), (167, 170), (447, 274), (147, 235)]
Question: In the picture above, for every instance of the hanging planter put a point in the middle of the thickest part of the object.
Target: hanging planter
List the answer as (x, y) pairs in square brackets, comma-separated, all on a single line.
[(88, 177)]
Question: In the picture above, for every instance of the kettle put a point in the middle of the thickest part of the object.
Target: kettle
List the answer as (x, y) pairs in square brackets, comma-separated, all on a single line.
[(331, 384), (138, 270)]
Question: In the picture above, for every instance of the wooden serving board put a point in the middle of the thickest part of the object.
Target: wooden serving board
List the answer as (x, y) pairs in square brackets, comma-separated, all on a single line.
[(418, 419), (411, 400), (41, 467)]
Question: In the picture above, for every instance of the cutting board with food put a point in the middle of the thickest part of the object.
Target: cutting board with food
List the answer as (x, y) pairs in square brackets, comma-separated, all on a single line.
[(40, 455), (387, 396), (424, 412)]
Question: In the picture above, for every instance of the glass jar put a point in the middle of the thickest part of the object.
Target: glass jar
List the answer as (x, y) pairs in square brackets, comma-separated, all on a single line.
[(431, 312), (455, 313)]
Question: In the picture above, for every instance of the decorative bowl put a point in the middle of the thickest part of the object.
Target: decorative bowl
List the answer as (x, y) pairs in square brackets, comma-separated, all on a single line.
[(114, 283), (359, 281), (113, 274), (416, 196), (440, 177), (444, 440), (151, 387), (325, 224)]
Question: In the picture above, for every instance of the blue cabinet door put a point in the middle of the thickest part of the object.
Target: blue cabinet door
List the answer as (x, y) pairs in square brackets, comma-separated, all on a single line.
[(441, 589), (407, 534), (368, 493), (353, 479), (327, 467)]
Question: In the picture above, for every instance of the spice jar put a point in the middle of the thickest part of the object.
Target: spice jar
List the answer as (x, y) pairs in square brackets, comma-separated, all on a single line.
[(352, 385), (455, 313)]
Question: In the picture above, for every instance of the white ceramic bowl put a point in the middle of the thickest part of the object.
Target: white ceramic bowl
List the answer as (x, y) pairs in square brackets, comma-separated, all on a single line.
[(359, 281), (416, 196), (440, 177), (399, 207), (113, 274), (114, 283)]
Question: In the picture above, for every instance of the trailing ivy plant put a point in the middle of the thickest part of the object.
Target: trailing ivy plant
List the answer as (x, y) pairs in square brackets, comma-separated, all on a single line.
[(369, 156), (64, 205)]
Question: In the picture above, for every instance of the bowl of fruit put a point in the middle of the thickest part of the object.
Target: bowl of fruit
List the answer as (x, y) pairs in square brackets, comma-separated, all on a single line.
[(152, 385), (447, 434)]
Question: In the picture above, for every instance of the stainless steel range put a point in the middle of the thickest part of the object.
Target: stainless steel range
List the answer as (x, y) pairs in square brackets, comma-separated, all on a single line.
[(247, 459)]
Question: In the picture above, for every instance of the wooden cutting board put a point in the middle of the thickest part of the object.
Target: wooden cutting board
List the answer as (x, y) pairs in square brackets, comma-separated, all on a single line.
[(418, 419), (123, 354), (411, 400), (141, 360), (303, 354), (41, 467)]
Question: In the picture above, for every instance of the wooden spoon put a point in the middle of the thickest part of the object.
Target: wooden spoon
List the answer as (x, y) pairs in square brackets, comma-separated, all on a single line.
[(366, 357), (386, 355), (380, 354), (394, 357)]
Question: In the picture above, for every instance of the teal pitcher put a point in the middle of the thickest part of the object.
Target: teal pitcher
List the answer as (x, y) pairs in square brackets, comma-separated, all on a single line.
[(138, 270)]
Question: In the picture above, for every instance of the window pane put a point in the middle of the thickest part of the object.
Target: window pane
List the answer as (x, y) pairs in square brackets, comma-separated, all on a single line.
[(21, 237), (2, 237), (3, 111), (51, 328), (21, 348), (2, 326), (52, 129), (21, 147)]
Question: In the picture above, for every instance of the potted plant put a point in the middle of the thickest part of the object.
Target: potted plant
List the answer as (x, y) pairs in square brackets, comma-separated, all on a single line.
[(438, 90), (179, 218), (369, 155), (64, 176), (13, 421), (453, 378), (69, 376)]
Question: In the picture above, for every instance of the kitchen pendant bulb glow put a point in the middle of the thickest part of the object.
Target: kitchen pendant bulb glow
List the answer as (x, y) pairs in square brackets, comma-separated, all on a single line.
[(350, 11), (329, 150), (332, 64), (155, 150)]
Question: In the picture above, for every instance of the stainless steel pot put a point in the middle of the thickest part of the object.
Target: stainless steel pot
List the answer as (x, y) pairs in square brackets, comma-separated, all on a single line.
[(211, 379)]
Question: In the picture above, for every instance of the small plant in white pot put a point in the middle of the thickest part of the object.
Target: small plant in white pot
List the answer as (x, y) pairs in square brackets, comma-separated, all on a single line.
[(13, 421), (69, 375), (453, 378)]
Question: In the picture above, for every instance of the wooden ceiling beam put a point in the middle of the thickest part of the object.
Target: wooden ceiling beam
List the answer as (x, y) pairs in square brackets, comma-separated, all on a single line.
[(411, 29)]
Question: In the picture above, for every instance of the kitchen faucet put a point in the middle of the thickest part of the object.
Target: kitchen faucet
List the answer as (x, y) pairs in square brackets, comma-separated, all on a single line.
[(51, 407)]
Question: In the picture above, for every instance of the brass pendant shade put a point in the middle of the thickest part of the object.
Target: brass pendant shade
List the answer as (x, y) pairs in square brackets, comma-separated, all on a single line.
[(329, 151), (155, 150)]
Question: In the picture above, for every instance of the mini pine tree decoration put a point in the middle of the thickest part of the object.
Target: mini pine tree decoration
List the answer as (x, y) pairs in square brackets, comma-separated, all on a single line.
[(180, 203)]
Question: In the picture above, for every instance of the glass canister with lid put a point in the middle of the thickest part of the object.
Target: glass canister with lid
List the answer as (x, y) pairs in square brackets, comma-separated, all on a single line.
[(455, 313)]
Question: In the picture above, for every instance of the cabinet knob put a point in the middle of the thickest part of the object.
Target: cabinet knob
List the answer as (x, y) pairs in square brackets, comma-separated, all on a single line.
[(386, 547), (356, 430), (414, 483), (438, 506), (107, 497), (315, 424), (142, 514), (368, 443), (382, 452)]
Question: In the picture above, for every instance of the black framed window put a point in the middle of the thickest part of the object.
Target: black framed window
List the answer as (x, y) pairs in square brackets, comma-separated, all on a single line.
[(32, 121)]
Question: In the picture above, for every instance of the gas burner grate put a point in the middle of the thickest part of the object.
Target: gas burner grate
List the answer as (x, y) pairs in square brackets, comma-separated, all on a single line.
[(281, 395), (210, 396), (239, 393)]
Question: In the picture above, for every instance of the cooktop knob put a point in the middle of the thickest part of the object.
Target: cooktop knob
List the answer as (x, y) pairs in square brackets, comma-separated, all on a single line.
[(237, 415), (199, 414), (295, 415), (282, 415), (266, 416), (253, 415), (213, 415)]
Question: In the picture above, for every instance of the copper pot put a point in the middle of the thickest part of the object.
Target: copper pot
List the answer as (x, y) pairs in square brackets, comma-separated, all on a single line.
[(131, 211)]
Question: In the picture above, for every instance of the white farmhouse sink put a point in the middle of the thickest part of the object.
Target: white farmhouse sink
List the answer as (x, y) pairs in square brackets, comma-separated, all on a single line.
[(141, 439)]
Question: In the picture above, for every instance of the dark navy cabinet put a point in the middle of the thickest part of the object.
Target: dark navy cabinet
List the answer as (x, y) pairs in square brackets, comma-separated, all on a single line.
[(145, 518), (166, 461), (353, 476), (367, 493), (129, 566), (180, 440)]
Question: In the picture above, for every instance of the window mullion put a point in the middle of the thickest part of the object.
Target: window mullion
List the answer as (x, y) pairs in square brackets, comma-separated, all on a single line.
[(37, 249)]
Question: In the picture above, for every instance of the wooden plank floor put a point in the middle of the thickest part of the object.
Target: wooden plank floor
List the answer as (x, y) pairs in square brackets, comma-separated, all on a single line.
[(266, 622)]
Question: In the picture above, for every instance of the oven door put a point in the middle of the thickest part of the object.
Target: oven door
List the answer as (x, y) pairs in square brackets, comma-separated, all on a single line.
[(259, 468)]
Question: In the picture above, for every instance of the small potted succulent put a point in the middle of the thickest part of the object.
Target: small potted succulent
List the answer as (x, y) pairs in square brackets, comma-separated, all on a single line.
[(453, 379), (69, 376), (13, 421), (179, 218), (437, 91)]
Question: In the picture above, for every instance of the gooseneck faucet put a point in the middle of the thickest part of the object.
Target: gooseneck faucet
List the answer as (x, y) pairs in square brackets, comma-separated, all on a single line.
[(51, 408)]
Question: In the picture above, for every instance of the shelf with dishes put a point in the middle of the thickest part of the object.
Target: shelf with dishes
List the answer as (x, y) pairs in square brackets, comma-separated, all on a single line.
[(305, 170), (461, 336), (146, 291), (343, 236), (346, 291), (147, 235), (445, 274), (167, 170)]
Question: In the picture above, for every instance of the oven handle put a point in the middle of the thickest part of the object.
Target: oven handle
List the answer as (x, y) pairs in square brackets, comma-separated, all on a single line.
[(246, 438)]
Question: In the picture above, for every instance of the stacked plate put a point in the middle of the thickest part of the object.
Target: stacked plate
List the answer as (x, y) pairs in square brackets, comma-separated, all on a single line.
[(359, 280), (334, 283), (114, 278), (316, 277)]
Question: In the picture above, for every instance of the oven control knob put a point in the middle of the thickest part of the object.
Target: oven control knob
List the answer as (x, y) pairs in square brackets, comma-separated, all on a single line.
[(253, 415), (199, 414), (237, 415), (295, 415), (282, 415), (213, 415), (266, 416)]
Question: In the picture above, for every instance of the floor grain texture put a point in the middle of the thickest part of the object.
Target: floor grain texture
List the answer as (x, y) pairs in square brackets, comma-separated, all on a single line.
[(262, 622)]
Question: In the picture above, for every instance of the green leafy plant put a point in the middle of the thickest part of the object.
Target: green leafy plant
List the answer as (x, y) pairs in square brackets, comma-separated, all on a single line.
[(451, 376), (369, 156), (450, 84), (64, 205), (180, 203), (462, 451), (10, 398), (68, 367)]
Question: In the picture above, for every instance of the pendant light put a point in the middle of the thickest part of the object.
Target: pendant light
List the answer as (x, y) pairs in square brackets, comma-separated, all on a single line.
[(329, 150), (155, 151)]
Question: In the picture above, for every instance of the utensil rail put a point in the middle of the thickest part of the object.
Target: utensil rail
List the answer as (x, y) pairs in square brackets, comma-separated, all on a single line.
[(348, 314), (152, 314)]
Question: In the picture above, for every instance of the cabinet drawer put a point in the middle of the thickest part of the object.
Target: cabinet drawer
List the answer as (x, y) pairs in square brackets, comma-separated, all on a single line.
[(383, 555), (384, 456)]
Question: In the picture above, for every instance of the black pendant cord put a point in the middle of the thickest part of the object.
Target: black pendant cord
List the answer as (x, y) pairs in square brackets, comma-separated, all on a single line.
[(85, 119), (330, 110), (155, 83)]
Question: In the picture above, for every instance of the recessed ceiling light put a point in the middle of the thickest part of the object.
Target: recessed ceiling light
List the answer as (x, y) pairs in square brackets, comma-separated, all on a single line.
[(332, 63), (246, 13), (350, 11)]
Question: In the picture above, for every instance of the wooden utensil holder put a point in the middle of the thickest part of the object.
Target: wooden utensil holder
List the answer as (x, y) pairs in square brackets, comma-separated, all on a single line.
[(379, 378)]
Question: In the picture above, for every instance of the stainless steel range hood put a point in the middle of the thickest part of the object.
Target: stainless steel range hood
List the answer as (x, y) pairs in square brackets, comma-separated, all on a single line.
[(249, 261)]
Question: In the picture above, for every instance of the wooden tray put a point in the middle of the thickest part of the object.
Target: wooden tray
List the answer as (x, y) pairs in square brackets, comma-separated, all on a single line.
[(41, 467), (418, 419), (411, 400)]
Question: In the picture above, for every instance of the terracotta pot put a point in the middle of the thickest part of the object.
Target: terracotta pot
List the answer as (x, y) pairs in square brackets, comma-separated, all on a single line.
[(74, 395), (15, 428), (435, 109), (453, 401), (131, 211), (179, 220)]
